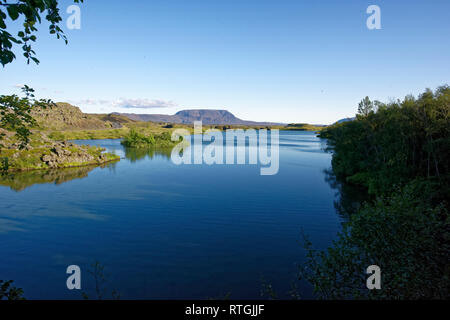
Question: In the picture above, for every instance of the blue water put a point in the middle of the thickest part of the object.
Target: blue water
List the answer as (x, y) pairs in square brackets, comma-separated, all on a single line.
[(163, 231)]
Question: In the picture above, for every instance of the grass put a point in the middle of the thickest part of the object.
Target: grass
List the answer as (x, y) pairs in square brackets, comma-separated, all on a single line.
[(88, 134)]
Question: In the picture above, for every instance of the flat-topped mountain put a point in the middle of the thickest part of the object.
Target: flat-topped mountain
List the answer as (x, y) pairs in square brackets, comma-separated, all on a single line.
[(189, 116)]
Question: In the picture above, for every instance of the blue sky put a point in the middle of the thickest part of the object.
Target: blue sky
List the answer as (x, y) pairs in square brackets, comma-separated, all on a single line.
[(286, 61)]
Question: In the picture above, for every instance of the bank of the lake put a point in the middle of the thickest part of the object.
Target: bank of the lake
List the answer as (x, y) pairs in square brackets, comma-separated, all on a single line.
[(43, 153)]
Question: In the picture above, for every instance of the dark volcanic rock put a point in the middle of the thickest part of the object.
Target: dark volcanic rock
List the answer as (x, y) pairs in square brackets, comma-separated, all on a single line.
[(61, 155)]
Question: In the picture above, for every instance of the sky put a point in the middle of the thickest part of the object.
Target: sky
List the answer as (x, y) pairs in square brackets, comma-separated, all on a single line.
[(280, 61)]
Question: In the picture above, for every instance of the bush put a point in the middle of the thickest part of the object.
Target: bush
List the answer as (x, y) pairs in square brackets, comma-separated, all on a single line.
[(404, 235), (135, 139), (8, 292)]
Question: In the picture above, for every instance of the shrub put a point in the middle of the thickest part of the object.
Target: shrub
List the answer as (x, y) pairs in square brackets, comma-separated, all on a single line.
[(405, 235)]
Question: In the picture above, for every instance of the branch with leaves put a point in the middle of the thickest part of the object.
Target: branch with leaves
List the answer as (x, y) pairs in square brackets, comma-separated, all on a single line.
[(32, 12), (15, 114), (9, 292)]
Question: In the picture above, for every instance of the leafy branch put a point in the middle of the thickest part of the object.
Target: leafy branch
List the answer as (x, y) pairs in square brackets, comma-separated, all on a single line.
[(15, 114), (31, 11)]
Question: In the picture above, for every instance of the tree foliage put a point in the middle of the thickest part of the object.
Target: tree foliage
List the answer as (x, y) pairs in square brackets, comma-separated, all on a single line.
[(9, 292), (400, 155), (135, 139), (31, 12), (365, 107), (401, 141), (404, 234), (15, 114)]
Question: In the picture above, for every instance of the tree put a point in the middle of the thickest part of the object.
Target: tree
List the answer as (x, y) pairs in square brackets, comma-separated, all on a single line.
[(32, 12), (399, 155), (15, 114), (400, 141), (365, 107)]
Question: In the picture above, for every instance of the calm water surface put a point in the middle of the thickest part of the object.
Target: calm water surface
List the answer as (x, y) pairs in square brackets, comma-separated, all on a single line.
[(164, 231)]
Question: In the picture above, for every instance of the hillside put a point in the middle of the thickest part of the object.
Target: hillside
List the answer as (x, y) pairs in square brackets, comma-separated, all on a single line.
[(216, 117), (67, 122), (64, 116), (346, 120)]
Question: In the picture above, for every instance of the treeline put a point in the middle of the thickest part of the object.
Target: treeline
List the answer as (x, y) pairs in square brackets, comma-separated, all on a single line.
[(394, 144), (399, 153)]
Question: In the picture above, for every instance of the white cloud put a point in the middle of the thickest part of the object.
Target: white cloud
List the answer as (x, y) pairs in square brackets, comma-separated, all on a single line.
[(143, 103), (129, 103), (91, 101)]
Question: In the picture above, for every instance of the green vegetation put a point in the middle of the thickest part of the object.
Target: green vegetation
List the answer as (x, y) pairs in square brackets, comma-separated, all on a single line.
[(9, 292), (24, 148), (399, 154), (135, 139), (100, 279), (20, 147), (32, 12), (303, 127), (88, 134), (51, 156), (15, 115), (399, 142)]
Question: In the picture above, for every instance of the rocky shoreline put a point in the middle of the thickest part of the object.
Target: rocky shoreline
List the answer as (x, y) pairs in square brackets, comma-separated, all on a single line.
[(52, 155), (63, 153)]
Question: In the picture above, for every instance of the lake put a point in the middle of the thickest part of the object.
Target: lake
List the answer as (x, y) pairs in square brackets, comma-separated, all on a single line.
[(166, 231)]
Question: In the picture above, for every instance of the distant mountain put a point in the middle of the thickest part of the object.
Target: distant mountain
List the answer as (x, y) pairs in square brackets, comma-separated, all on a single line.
[(346, 120), (189, 116)]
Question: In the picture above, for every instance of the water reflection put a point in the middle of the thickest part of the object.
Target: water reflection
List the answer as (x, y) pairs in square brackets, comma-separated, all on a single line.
[(19, 181), (349, 197), (137, 154)]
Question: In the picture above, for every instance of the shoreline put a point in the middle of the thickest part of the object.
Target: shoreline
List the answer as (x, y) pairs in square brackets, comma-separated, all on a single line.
[(87, 164)]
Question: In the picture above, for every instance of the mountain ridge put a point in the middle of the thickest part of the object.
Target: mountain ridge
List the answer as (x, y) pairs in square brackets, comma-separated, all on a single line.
[(188, 116)]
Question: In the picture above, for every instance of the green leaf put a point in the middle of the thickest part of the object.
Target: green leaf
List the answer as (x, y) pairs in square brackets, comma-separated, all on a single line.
[(13, 12)]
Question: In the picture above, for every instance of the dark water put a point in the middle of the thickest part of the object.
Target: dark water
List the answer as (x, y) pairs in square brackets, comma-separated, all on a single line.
[(163, 231)]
